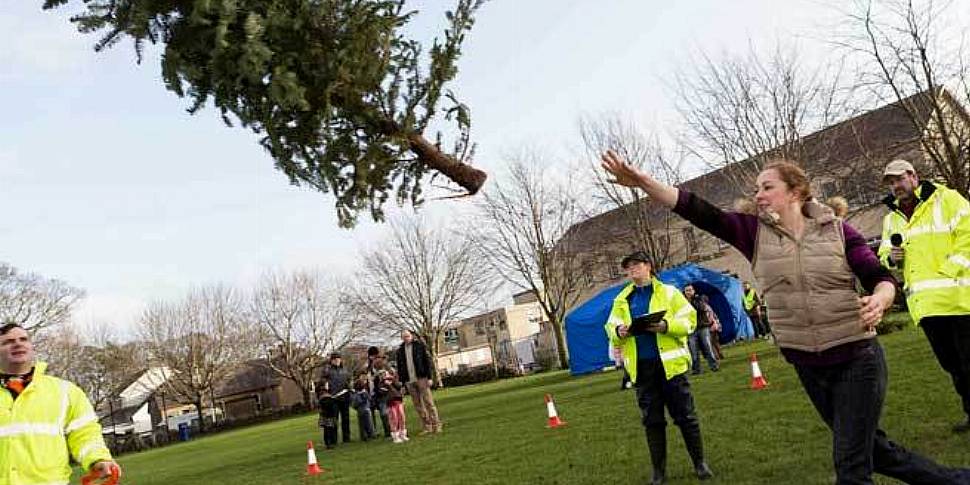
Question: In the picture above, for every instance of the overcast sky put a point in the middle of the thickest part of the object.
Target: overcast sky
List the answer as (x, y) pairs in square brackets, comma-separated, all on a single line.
[(107, 183)]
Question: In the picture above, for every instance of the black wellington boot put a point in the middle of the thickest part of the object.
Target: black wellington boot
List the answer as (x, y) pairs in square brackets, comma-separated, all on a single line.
[(695, 447), (657, 442)]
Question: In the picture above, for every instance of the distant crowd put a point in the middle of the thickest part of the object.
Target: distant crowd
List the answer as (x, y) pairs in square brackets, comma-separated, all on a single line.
[(377, 392)]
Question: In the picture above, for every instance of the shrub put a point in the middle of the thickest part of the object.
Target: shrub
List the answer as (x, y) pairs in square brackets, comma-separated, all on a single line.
[(476, 375)]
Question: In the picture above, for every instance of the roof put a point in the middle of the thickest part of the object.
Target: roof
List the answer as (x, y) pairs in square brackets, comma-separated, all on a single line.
[(253, 375)]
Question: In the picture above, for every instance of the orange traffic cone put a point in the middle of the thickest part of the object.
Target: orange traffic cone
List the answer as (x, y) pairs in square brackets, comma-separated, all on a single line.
[(554, 421), (757, 380), (312, 468)]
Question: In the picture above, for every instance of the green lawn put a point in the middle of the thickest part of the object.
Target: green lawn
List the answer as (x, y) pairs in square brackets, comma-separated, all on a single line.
[(495, 433)]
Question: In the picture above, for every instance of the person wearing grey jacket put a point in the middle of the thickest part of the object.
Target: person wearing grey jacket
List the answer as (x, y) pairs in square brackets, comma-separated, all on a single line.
[(340, 388)]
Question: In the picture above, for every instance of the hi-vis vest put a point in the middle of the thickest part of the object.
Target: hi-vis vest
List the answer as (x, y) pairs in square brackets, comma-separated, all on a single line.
[(50, 419), (681, 320), (749, 299), (936, 240)]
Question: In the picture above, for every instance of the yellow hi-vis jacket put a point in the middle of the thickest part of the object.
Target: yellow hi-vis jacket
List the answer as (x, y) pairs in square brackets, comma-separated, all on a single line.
[(681, 320), (750, 298), (49, 423), (936, 240)]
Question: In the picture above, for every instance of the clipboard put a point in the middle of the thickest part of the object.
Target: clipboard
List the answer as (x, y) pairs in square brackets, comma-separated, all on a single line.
[(641, 323)]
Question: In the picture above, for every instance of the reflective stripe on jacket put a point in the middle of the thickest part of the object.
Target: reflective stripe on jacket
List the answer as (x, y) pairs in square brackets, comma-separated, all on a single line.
[(681, 320), (936, 240), (49, 423)]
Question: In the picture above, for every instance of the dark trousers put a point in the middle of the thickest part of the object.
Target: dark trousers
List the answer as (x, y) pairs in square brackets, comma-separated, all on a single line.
[(654, 392), (365, 423), (849, 397), (344, 406), (379, 408), (949, 337), (760, 329), (329, 436)]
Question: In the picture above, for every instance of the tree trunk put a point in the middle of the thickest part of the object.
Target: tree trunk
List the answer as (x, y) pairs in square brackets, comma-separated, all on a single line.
[(468, 177), (307, 402), (198, 409), (560, 343), (435, 373)]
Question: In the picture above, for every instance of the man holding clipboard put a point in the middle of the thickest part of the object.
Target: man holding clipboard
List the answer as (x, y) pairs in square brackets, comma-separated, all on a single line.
[(650, 322)]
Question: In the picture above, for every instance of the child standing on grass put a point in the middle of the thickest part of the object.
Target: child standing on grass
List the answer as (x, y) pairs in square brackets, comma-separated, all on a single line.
[(361, 402), (329, 410), (395, 406)]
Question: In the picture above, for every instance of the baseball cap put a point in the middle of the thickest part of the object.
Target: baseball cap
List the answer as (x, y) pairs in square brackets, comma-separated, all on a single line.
[(637, 256), (898, 167)]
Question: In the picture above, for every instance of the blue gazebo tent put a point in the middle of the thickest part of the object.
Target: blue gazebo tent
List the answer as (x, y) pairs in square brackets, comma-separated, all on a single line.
[(589, 349)]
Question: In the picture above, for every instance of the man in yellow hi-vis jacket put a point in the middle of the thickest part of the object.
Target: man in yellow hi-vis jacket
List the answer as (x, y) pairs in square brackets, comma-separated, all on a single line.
[(926, 236), (44, 421), (657, 361)]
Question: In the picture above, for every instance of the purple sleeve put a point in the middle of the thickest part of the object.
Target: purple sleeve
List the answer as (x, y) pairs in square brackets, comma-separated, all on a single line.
[(863, 261), (736, 229)]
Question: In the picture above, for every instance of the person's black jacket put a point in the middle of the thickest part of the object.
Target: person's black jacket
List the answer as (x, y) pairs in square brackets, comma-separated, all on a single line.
[(701, 307), (339, 381), (422, 362)]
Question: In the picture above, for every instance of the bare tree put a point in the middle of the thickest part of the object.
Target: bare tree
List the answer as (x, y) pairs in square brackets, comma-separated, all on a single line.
[(421, 279), (33, 301), (304, 317), (90, 357), (753, 108), (199, 339), (647, 224), (522, 230), (914, 55)]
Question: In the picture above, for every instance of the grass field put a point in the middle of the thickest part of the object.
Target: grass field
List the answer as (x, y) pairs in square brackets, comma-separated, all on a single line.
[(495, 433)]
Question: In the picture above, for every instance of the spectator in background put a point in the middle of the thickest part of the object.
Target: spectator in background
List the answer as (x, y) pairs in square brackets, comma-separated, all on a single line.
[(414, 369), (361, 401), (618, 359), (378, 403), (340, 390), (329, 414), (752, 306), (715, 329), (392, 386), (700, 339)]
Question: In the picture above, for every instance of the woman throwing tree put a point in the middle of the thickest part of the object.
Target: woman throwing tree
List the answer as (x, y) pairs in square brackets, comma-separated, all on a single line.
[(806, 261)]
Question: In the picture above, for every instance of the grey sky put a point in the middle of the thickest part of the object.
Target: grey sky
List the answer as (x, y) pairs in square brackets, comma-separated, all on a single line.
[(107, 183)]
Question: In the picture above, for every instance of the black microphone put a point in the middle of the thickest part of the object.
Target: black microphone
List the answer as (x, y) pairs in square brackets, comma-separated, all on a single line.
[(896, 240)]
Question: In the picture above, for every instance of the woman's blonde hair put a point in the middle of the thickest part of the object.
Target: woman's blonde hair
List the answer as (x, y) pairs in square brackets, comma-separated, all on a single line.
[(793, 176)]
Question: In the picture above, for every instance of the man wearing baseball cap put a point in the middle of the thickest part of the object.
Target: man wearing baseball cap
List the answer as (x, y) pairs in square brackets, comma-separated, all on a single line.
[(657, 361), (926, 237)]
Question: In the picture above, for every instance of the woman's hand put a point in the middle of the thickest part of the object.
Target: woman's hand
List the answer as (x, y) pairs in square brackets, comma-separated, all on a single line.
[(873, 307), (624, 174), (629, 176)]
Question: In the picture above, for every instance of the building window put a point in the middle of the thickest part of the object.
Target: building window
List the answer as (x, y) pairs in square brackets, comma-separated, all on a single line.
[(479, 328), (451, 336)]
